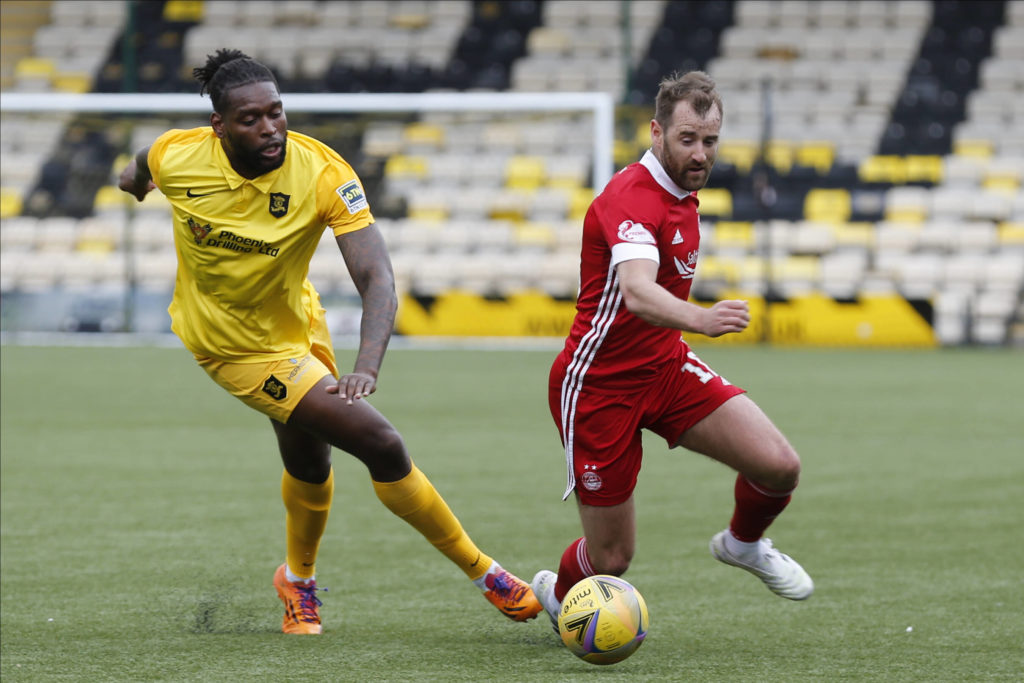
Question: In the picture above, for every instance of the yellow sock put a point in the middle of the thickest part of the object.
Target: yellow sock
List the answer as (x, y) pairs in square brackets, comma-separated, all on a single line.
[(307, 506), (415, 500)]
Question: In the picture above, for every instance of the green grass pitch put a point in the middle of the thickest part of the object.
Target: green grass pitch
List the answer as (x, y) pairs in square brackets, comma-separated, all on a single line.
[(142, 521)]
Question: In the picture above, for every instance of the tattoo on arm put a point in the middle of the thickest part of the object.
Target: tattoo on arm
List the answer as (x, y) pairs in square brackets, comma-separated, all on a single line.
[(368, 263)]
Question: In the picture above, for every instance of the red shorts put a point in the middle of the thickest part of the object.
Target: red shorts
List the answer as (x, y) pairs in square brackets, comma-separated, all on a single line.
[(601, 429)]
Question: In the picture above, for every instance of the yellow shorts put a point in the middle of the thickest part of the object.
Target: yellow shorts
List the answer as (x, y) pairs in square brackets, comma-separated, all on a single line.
[(275, 388)]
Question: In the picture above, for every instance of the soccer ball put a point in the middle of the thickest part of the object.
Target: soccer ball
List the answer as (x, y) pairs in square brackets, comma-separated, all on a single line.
[(603, 619)]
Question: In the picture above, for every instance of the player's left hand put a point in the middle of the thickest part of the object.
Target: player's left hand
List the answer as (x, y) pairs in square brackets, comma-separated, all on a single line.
[(353, 386)]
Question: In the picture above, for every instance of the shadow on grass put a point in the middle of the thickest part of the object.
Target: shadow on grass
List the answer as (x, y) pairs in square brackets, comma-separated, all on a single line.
[(216, 613)]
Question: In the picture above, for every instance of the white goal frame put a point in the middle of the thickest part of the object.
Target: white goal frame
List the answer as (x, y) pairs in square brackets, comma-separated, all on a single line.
[(601, 105)]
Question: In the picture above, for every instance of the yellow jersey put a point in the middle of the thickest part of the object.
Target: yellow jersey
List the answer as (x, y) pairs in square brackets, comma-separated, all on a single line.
[(242, 293)]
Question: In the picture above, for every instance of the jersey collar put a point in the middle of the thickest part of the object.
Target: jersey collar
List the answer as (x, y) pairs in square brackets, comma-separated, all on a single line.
[(262, 183), (651, 163)]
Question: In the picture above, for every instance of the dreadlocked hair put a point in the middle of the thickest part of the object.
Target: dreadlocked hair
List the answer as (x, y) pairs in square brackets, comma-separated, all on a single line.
[(228, 69)]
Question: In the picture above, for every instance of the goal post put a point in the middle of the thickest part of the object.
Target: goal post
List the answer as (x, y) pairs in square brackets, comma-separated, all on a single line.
[(120, 252), (599, 104)]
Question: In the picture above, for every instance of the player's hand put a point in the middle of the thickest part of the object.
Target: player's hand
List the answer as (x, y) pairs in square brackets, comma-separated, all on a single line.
[(130, 182), (353, 386), (730, 315)]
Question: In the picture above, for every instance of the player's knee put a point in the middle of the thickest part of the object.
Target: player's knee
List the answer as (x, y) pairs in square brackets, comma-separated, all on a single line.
[(786, 470), (385, 455)]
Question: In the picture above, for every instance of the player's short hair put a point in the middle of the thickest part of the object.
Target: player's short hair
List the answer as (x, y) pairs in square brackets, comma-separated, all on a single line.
[(227, 69), (694, 87)]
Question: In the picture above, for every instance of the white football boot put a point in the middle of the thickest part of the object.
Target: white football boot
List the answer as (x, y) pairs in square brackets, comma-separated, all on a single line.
[(543, 586), (783, 575)]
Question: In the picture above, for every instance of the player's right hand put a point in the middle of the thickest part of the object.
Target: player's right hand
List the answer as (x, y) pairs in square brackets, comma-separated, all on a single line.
[(730, 315), (131, 183)]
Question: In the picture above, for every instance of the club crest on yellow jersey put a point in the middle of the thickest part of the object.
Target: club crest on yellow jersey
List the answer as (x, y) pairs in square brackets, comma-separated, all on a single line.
[(279, 204)]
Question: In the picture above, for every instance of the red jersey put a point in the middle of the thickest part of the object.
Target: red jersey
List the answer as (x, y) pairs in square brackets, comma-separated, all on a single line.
[(642, 213)]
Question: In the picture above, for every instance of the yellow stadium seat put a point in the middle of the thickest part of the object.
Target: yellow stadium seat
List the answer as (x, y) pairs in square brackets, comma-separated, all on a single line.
[(924, 168), (642, 138), (728, 234), (509, 205), (409, 18), (883, 168), (35, 67), (428, 214), (183, 10), (820, 155), (780, 154), (10, 203), (724, 270), (828, 205), (715, 201), (110, 196), (751, 268), (401, 166), (978, 149), (579, 202), (525, 172), (531, 234), (1001, 184), (906, 214), (798, 268), (624, 153), (740, 153), (72, 82), (423, 135), (1003, 176), (858, 234), (1011, 232)]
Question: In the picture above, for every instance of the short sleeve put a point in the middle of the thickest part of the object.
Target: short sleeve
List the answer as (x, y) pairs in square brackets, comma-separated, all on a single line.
[(631, 232), (341, 199)]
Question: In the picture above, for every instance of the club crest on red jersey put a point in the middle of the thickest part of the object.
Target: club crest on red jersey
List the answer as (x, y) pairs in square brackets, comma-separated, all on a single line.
[(635, 232)]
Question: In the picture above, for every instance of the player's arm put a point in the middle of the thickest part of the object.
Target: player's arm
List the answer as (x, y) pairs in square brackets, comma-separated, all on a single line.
[(368, 263), (136, 178), (654, 304)]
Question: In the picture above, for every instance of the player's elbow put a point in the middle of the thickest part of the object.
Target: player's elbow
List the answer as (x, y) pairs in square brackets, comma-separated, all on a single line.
[(639, 306)]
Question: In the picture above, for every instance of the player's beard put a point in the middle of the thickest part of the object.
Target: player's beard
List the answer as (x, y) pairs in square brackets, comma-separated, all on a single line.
[(259, 164), (679, 171)]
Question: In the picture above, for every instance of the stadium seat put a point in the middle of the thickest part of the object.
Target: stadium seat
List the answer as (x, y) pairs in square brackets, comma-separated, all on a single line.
[(818, 154), (731, 235), (423, 138), (715, 201), (883, 168), (907, 204), (828, 205), (525, 172), (842, 272), (924, 168), (533, 236)]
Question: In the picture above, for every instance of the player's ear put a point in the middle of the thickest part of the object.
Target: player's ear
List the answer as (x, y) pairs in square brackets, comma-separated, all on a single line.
[(656, 131), (218, 124)]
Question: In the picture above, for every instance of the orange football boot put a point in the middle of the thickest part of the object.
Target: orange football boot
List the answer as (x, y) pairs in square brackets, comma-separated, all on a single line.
[(512, 596), (301, 606)]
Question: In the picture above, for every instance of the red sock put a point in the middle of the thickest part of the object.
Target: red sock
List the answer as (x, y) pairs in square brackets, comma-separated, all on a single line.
[(574, 567), (756, 508)]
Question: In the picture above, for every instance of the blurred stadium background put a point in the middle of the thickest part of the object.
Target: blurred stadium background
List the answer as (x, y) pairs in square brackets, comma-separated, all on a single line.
[(868, 189)]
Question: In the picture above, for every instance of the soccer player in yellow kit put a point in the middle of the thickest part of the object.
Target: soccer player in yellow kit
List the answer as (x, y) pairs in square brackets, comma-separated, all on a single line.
[(250, 203)]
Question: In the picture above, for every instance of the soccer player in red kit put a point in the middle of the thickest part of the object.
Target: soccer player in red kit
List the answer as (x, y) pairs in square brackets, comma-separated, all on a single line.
[(625, 366)]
